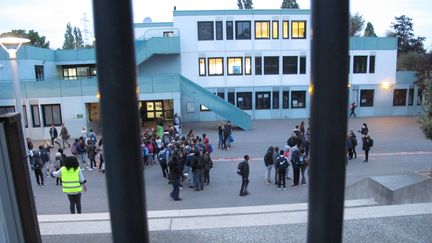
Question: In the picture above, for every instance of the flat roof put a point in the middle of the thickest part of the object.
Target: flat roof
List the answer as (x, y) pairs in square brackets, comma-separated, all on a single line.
[(242, 12)]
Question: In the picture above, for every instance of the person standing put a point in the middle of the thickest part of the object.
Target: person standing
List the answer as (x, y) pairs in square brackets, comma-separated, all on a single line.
[(268, 162), (295, 161), (36, 165), (243, 171), (281, 168), (91, 154), (73, 182), (353, 139), (198, 170), (177, 123), (160, 126), (353, 107), (221, 137), (364, 130), (53, 135), (208, 164), (227, 135), (64, 134), (176, 173), (367, 144)]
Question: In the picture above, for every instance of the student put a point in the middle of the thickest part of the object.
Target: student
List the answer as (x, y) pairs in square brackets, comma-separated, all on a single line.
[(243, 171), (281, 167)]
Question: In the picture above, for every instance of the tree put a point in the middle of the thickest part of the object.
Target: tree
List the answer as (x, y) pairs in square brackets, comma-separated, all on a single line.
[(408, 61), (33, 36), (245, 4), (356, 24), (79, 43), (369, 31), (403, 27), (73, 38), (289, 4)]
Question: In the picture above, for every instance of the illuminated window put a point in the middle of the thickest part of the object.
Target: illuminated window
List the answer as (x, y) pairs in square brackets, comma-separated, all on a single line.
[(285, 29), (235, 66), (202, 67), (275, 29), (205, 30), (248, 65), (262, 29), (243, 30), (215, 66), (298, 29)]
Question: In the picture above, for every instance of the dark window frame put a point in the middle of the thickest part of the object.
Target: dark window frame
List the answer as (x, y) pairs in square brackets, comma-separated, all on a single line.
[(35, 123), (285, 99), (292, 29), (411, 97), (360, 64), (241, 66), (372, 64), (275, 100), (399, 97), (258, 65), (302, 64), (289, 65), (199, 67), (219, 30), (39, 72), (231, 98), (229, 30), (7, 109), (298, 94), (369, 101), (263, 103), (270, 66), (287, 31), (200, 27), (246, 103), (269, 33), (44, 115), (208, 66), (275, 35), (237, 34)]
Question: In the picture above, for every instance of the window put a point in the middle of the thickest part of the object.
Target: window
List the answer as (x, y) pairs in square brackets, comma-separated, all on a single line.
[(74, 72), (51, 115), (285, 29), (371, 64), (221, 95), (360, 64), (262, 29), (202, 66), (302, 65), (258, 66), (298, 29), (262, 100), (215, 66), (275, 99), (271, 65), (219, 30), (285, 99), (229, 30), (39, 72), (204, 108), (298, 99), (35, 115), (231, 98), (248, 65), (205, 30), (275, 29), (244, 100), (410, 97), (24, 110), (6, 109), (168, 33), (243, 30), (235, 65), (399, 97), (366, 97), (290, 65)]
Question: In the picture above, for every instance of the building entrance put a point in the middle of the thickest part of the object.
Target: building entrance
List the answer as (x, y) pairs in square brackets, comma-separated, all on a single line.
[(150, 110)]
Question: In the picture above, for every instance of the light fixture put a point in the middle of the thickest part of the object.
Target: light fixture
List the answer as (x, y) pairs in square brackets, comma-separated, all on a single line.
[(311, 89), (386, 85)]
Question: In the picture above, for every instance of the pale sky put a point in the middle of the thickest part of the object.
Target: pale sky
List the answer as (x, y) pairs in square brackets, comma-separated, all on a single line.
[(49, 17)]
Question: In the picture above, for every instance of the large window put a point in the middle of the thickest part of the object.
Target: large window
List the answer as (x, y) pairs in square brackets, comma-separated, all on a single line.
[(243, 30), (219, 30), (271, 65), (202, 66), (302, 65), (371, 64), (35, 115), (298, 29), (399, 97), (205, 30), (285, 29), (51, 115), (285, 99), (262, 29), (360, 64), (275, 99), (411, 97), (6, 109), (231, 98), (235, 65), (229, 30), (244, 100), (275, 29), (74, 72), (248, 65), (215, 66), (262, 100), (298, 99), (39, 72), (290, 65), (366, 97), (258, 65)]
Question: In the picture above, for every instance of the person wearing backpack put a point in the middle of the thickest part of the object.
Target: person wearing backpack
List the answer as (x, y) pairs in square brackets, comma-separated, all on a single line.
[(176, 172), (53, 135), (352, 137), (36, 165), (281, 166), (162, 158), (198, 170), (268, 162), (44, 156), (243, 171), (92, 136), (367, 144), (208, 164), (295, 161)]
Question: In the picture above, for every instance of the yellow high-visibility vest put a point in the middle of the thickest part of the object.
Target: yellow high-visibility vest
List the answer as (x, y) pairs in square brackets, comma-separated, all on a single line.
[(70, 180)]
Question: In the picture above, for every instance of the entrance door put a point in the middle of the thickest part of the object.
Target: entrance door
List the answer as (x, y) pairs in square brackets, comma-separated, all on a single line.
[(156, 108)]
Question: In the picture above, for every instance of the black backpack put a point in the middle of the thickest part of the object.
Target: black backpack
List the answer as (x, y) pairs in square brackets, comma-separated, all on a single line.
[(44, 156), (282, 162), (295, 158), (371, 142)]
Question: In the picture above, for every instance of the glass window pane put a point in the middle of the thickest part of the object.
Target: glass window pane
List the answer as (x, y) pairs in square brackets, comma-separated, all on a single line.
[(290, 65), (219, 30), (275, 29), (215, 66), (360, 64), (262, 100), (56, 114), (243, 30), (271, 65), (82, 71), (248, 65), (202, 67), (298, 99), (262, 29), (399, 97), (235, 66), (275, 99), (298, 29), (371, 64), (285, 29), (258, 66), (366, 97), (411, 97), (302, 65), (35, 115), (229, 30), (231, 98), (244, 100), (285, 99), (205, 30)]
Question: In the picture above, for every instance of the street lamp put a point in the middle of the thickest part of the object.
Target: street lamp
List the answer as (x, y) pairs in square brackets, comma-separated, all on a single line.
[(11, 46)]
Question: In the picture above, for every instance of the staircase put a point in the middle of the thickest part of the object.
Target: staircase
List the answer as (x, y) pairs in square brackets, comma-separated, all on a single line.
[(144, 49)]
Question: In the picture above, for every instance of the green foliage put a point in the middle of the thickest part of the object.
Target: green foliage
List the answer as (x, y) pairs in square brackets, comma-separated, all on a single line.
[(33, 36), (240, 4), (356, 24), (369, 31), (79, 43), (286, 4), (73, 38), (403, 27), (245, 4), (408, 61), (424, 81)]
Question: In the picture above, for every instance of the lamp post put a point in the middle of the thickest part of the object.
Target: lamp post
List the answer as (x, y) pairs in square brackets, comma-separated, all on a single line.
[(11, 46)]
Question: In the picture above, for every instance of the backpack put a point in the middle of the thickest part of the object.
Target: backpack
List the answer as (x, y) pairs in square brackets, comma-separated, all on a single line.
[(37, 161), (162, 156), (74, 149), (239, 169), (282, 162), (295, 159), (292, 141), (150, 148), (371, 142), (268, 158), (44, 156)]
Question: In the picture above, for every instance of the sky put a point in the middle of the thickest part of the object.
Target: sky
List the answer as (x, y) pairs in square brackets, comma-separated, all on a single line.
[(50, 17)]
